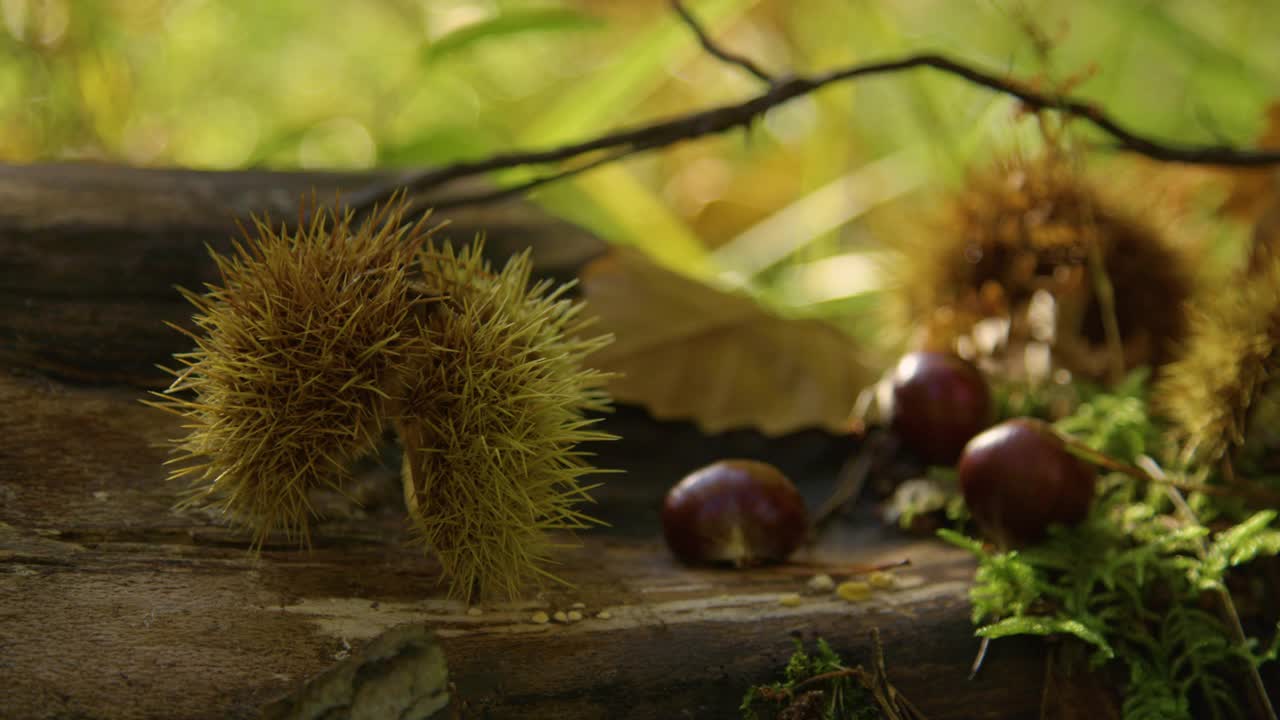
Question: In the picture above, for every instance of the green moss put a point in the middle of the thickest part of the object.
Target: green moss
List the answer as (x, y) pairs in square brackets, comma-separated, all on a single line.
[(1130, 583), (842, 696), (1139, 582)]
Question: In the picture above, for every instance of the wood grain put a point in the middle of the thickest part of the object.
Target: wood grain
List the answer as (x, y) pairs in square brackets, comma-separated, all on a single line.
[(115, 605), (90, 255)]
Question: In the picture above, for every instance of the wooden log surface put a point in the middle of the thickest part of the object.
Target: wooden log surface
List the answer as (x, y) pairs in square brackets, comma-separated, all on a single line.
[(90, 255), (115, 605)]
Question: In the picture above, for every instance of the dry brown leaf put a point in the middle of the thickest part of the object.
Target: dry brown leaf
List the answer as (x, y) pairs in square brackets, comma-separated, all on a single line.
[(687, 351)]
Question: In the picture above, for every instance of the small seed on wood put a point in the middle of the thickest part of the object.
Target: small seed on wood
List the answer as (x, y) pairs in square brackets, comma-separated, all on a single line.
[(821, 583), (881, 579), (854, 590)]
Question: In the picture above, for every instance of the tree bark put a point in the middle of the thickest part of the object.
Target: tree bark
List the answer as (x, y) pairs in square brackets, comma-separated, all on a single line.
[(115, 605)]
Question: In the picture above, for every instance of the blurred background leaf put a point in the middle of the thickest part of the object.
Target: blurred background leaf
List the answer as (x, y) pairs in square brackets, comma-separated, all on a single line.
[(514, 22), (687, 351)]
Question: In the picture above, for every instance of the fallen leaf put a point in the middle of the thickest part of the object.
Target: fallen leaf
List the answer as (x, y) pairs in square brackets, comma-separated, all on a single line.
[(688, 351)]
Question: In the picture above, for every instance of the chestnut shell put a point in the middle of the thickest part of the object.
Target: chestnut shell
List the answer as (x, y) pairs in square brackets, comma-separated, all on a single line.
[(742, 512), (1018, 477), (940, 401)]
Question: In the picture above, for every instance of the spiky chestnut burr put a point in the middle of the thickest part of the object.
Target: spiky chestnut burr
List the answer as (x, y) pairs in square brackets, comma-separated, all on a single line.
[(1221, 389), (295, 353), (494, 409), (319, 339), (1027, 224)]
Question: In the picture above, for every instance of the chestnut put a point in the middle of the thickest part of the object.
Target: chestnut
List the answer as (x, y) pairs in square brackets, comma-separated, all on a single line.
[(1018, 477), (741, 512), (940, 401)]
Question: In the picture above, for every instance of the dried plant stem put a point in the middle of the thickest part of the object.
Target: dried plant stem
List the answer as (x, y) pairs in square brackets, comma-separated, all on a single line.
[(1103, 460), (852, 478), (853, 672), (1105, 293), (891, 702), (979, 658), (412, 443), (800, 568)]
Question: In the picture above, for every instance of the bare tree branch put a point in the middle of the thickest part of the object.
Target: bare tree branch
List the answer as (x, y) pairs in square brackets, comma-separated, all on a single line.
[(715, 50), (482, 198), (716, 120)]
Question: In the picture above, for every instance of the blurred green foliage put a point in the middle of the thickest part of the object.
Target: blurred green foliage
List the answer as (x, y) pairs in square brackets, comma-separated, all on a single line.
[(785, 211)]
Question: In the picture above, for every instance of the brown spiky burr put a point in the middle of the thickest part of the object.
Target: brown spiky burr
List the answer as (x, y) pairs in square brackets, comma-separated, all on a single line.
[(1221, 392), (319, 339), (295, 351), (494, 412), (1027, 225)]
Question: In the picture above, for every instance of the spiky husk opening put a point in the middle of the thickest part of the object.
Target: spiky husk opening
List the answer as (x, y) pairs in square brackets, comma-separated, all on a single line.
[(494, 411), (295, 352), (1026, 225), (1221, 392)]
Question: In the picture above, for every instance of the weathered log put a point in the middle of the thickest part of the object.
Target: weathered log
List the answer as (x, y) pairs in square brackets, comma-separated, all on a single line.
[(90, 255), (115, 605), (399, 674)]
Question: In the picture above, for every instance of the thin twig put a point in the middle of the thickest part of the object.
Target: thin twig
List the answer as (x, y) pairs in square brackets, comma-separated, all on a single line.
[(1261, 701), (723, 118), (1105, 293), (485, 197), (980, 658), (794, 567), (854, 672), (892, 703), (715, 50), (1104, 460), (851, 479)]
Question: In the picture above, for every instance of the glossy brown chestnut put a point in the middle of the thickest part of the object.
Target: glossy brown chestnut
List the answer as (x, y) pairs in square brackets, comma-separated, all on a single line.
[(741, 512), (940, 401), (1018, 477)]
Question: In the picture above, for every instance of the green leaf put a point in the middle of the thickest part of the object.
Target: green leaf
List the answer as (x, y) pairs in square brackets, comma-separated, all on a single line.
[(1115, 423), (799, 666), (1236, 546), (845, 699), (964, 542), (1029, 625), (826, 660), (516, 22)]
